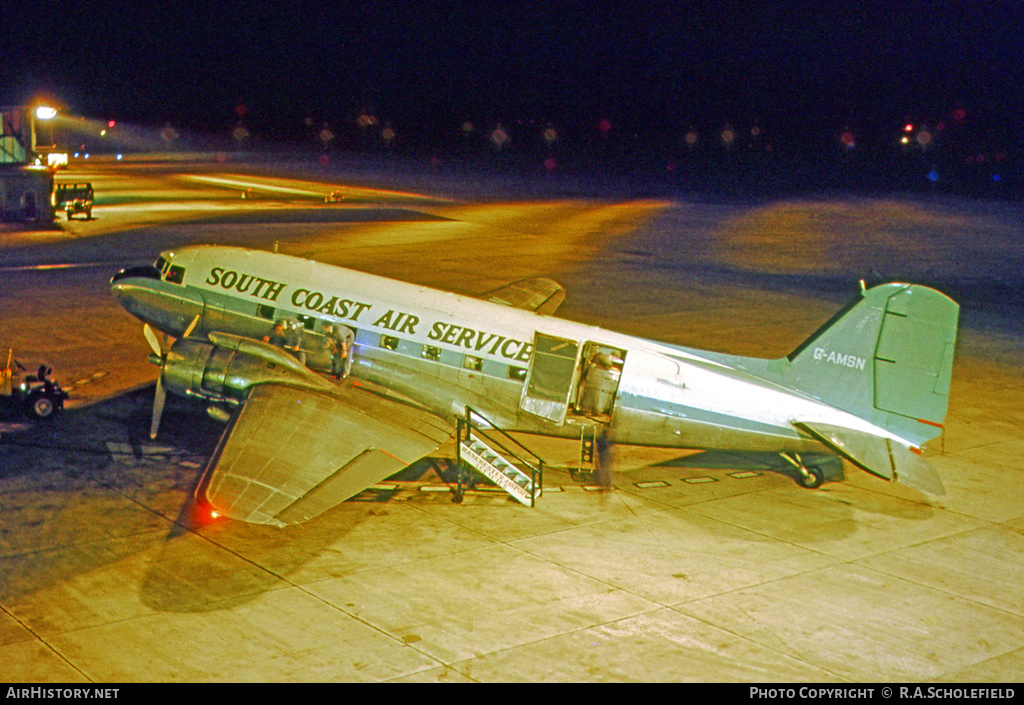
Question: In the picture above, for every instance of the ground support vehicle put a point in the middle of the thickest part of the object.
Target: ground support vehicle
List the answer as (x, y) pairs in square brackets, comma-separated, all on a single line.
[(74, 199), (36, 396)]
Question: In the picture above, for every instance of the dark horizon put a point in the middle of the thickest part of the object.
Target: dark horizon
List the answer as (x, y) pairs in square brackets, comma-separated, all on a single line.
[(786, 65), (789, 80)]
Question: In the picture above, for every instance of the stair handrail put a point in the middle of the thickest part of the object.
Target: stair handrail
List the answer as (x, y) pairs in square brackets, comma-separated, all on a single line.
[(536, 467), (470, 412)]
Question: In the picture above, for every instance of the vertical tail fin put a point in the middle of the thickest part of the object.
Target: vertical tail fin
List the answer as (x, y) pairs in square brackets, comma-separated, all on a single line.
[(886, 357)]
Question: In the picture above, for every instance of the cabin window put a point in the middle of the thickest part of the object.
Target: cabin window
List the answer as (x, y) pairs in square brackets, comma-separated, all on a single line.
[(431, 353), (176, 274), (389, 342), (517, 373), (307, 321), (264, 311), (473, 363)]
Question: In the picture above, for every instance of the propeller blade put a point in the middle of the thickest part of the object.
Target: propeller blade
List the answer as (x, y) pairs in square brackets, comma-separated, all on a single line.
[(151, 338), (191, 327), (158, 406)]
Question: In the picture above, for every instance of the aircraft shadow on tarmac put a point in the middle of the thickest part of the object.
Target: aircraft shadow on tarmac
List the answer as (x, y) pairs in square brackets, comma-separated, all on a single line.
[(90, 489)]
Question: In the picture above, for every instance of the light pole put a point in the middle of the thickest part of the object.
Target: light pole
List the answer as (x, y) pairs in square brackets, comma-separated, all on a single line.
[(45, 113)]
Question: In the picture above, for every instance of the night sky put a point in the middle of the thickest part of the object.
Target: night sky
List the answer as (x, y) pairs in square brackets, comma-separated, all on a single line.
[(426, 67)]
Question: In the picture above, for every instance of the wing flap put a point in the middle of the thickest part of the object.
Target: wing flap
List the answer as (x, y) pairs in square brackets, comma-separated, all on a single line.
[(369, 467), (290, 454), (538, 294), (879, 456)]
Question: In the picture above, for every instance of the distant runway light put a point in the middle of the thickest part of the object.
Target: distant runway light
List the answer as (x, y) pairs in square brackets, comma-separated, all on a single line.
[(499, 138)]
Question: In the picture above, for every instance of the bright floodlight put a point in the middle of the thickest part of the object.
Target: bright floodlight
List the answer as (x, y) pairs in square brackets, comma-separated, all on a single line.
[(45, 112)]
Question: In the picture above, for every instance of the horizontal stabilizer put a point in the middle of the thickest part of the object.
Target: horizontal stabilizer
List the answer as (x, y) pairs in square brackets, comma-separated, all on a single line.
[(878, 455)]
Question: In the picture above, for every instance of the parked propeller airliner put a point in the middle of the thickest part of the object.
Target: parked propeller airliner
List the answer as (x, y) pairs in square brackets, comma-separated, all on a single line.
[(265, 340)]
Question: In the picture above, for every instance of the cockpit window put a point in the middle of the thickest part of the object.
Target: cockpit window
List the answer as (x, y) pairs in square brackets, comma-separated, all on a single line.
[(176, 274), (160, 264)]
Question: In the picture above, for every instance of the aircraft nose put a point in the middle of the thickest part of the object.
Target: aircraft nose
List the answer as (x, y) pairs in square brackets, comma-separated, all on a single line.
[(146, 272), (127, 281)]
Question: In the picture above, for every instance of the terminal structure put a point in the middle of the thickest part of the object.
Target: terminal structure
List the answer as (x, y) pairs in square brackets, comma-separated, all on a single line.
[(26, 183)]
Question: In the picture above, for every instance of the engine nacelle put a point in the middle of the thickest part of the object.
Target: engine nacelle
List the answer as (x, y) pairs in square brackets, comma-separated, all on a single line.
[(224, 368)]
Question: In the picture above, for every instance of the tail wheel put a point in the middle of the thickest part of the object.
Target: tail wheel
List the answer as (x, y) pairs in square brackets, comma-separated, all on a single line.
[(813, 478), (809, 477)]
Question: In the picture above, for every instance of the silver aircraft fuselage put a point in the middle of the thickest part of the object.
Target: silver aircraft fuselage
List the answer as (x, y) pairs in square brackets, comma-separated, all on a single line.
[(524, 371)]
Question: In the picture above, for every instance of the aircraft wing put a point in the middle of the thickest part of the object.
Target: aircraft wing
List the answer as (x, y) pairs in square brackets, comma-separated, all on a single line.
[(879, 456), (290, 454), (539, 295)]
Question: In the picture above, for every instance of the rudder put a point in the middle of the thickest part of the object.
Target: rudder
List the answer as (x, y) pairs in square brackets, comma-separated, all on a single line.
[(886, 357)]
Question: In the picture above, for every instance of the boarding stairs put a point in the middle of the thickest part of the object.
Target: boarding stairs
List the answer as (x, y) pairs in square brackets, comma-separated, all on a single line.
[(499, 457)]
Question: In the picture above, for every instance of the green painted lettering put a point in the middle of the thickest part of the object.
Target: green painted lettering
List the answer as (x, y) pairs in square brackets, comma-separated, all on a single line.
[(410, 324), (494, 347), (328, 307), (385, 320), (466, 338), (481, 341), (506, 351), (437, 330), (359, 309), (449, 337), (314, 300), (244, 282)]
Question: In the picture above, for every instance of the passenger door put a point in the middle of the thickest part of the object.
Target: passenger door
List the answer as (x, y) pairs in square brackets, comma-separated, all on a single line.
[(551, 378)]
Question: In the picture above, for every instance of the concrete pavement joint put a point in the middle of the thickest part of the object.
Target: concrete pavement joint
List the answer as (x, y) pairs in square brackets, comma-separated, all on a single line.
[(49, 647)]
